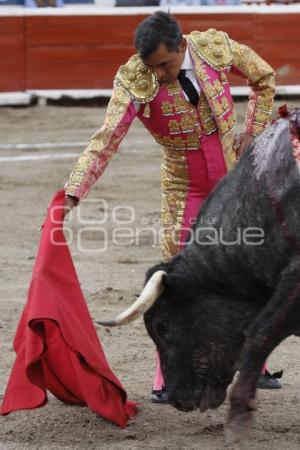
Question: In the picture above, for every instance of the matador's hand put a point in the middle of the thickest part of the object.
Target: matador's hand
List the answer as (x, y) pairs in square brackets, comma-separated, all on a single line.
[(241, 142), (70, 202)]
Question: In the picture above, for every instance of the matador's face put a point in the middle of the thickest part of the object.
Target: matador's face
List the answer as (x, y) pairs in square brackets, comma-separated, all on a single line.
[(166, 64)]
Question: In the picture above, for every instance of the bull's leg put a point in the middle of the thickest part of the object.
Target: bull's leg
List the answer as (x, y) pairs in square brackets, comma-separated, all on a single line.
[(275, 322)]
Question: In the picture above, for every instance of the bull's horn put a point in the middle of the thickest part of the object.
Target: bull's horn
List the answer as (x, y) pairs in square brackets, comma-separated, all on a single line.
[(148, 296)]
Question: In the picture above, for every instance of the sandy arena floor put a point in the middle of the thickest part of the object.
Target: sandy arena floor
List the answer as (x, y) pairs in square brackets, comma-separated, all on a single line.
[(110, 277)]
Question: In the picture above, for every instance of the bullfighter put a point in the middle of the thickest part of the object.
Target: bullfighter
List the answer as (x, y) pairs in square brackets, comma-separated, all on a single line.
[(177, 86)]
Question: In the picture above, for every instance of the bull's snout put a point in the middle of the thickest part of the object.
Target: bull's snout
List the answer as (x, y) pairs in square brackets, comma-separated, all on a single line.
[(183, 401), (183, 405), (209, 399)]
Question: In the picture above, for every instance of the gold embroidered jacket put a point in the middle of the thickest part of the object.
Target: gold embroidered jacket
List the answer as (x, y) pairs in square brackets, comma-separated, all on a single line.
[(214, 55)]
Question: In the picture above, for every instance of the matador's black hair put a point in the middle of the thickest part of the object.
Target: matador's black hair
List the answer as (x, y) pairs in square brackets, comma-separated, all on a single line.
[(159, 28)]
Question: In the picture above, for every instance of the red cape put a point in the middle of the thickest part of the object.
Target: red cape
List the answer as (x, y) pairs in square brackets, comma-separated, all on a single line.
[(56, 342)]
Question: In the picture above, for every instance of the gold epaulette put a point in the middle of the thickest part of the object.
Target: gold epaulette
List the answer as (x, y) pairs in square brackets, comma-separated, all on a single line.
[(213, 47), (137, 80)]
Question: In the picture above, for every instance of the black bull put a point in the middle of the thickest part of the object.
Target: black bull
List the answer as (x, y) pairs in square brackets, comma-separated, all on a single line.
[(233, 294)]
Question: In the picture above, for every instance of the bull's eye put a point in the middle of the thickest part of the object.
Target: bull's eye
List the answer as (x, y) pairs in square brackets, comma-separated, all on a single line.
[(162, 327)]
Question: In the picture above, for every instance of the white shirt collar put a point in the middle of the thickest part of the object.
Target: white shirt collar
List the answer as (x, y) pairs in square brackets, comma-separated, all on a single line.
[(187, 62)]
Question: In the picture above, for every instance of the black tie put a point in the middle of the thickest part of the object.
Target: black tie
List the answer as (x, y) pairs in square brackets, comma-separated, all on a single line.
[(188, 87)]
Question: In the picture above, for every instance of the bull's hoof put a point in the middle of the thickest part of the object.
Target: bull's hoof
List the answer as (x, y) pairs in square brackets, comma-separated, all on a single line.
[(237, 428), (239, 422)]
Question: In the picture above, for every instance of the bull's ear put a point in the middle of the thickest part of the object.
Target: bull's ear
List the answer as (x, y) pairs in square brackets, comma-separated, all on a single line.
[(152, 270)]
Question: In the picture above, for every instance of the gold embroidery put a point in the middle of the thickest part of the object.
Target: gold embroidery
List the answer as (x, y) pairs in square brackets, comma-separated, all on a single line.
[(203, 108), (137, 80), (218, 53), (223, 127), (180, 105), (209, 126), (203, 41), (226, 125), (187, 124), (105, 142), (218, 40), (218, 87), (217, 106), (265, 104), (201, 72), (261, 78), (173, 89), (179, 143), (174, 127), (229, 155), (225, 104), (231, 121), (209, 89), (208, 122), (257, 128), (159, 139), (193, 142), (213, 47), (174, 192), (190, 142), (167, 109), (262, 116)]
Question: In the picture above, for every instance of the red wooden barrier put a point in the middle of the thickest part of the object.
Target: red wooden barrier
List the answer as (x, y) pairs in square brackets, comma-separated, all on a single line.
[(12, 65), (84, 51)]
